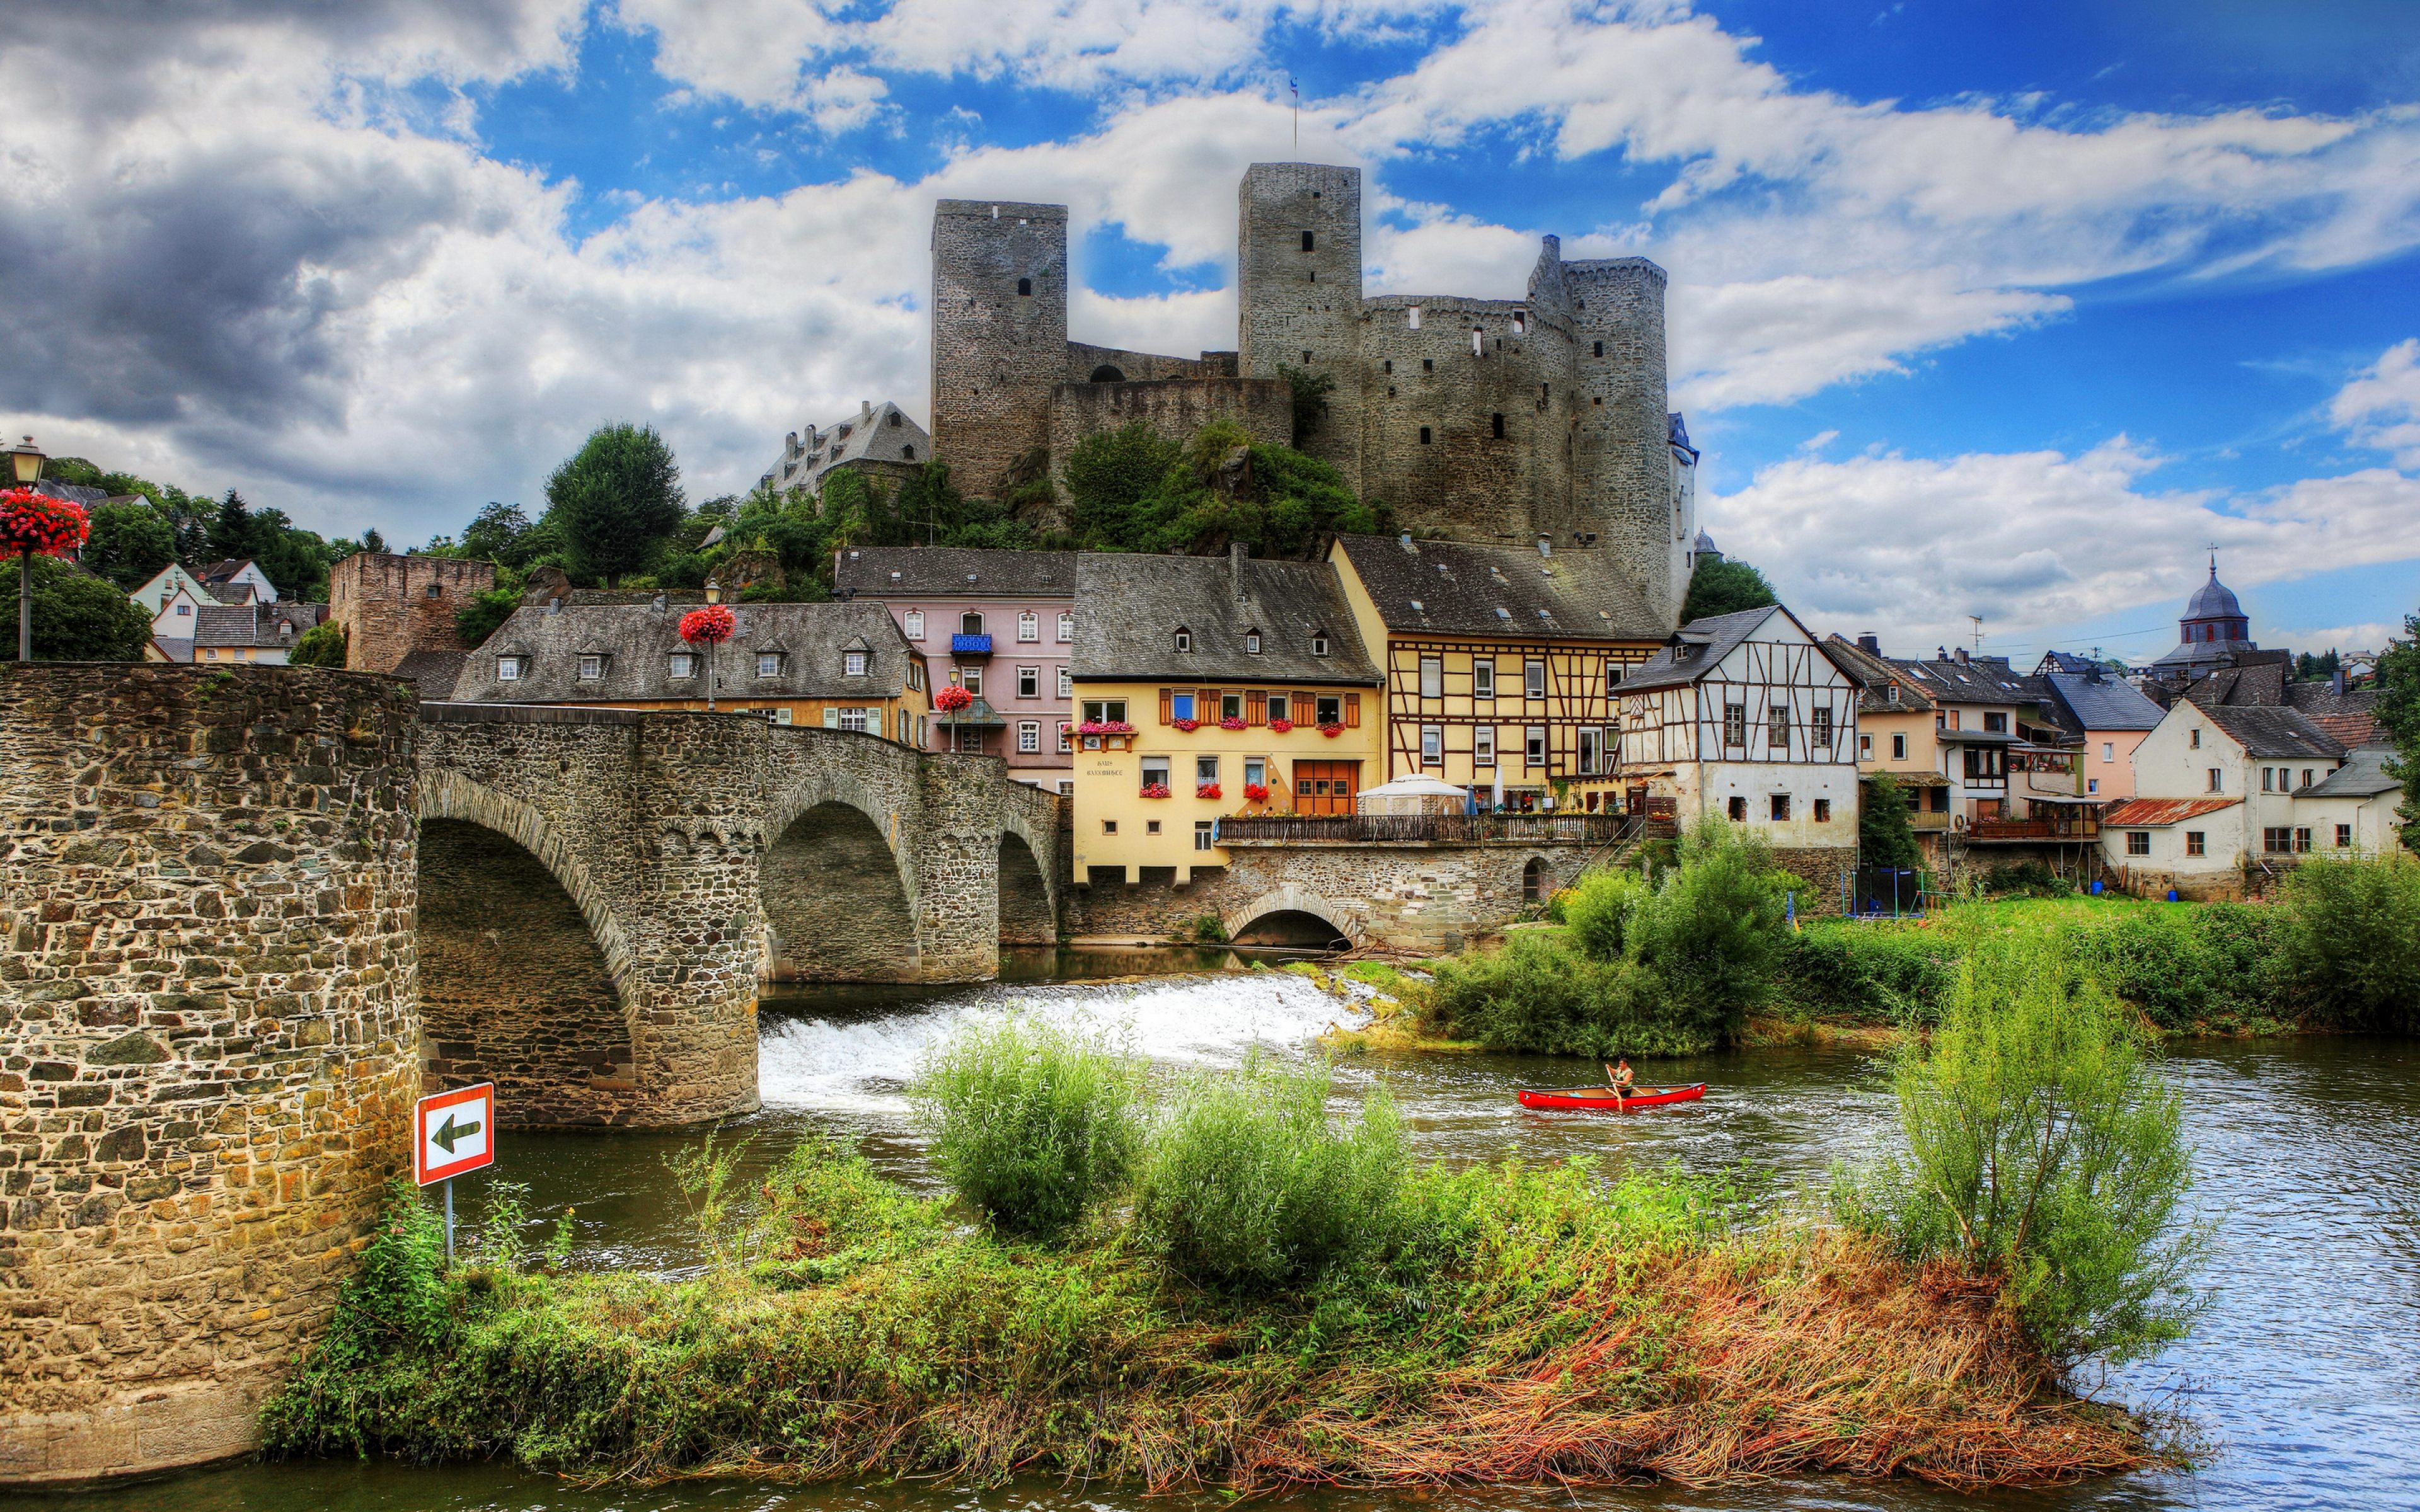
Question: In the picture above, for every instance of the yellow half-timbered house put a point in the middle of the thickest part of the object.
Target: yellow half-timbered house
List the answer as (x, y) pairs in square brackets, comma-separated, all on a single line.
[(1503, 664)]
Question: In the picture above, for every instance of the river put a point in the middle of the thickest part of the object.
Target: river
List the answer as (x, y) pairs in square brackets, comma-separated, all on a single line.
[(2302, 1381)]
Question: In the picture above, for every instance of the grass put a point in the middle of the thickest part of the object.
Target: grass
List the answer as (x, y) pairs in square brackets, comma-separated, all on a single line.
[(1517, 1324)]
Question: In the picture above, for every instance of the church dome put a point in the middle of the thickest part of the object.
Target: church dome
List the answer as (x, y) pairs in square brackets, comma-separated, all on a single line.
[(2214, 600), (1705, 543)]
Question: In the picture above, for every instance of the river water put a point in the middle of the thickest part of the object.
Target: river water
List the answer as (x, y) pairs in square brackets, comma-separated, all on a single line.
[(2302, 1382)]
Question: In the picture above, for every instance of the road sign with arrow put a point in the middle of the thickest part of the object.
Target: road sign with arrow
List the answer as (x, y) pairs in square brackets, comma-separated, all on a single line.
[(453, 1133)]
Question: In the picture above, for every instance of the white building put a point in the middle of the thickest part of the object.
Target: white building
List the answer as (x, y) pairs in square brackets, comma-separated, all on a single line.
[(2353, 810), (2218, 797), (173, 599), (239, 580), (880, 436), (1744, 717)]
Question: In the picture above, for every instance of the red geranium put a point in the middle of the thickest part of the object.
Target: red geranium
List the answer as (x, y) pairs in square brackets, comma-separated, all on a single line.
[(1230, 722), (1256, 792), (951, 699), (1188, 726), (37, 522), (1331, 731), (1278, 727), (709, 626), (1206, 790), (1154, 790)]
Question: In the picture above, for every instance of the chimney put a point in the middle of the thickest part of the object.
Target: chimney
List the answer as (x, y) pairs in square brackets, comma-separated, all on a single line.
[(1238, 554), (1870, 644), (2336, 682), (864, 409), (1962, 656), (1941, 653), (1545, 545)]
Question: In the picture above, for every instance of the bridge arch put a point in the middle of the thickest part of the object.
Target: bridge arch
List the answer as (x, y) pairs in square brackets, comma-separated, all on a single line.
[(836, 886), (1291, 898)]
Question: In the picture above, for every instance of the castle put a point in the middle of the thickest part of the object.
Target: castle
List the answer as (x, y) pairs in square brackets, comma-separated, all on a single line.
[(1495, 420)]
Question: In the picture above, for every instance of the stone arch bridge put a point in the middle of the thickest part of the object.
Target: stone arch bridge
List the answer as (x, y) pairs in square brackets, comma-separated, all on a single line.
[(602, 891)]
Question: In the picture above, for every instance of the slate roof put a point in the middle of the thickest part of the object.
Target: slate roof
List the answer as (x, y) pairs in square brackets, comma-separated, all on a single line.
[(2151, 813), (1676, 430), (1133, 606), (1451, 588), (2267, 731), (2079, 703), (638, 642), (932, 572), (433, 672), (1875, 676), (882, 433), (2213, 601), (2362, 776), (254, 624), (1700, 647), (1977, 680)]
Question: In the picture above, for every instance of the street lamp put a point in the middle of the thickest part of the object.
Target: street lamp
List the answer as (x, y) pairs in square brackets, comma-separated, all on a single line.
[(25, 461), (706, 626)]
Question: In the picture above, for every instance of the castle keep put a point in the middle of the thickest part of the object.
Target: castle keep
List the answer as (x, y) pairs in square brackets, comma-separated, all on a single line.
[(1497, 421)]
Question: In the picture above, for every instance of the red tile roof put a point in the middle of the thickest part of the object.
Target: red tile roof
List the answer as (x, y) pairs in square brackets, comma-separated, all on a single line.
[(2141, 813)]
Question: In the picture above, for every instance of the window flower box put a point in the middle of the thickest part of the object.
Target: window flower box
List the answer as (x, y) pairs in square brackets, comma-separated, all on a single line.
[(1188, 726), (1278, 727), (1231, 723), (1154, 790), (1105, 727), (1256, 793), (1206, 790), (1331, 731)]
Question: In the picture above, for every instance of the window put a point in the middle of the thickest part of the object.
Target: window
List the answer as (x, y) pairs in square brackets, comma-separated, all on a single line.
[(1029, 736), (1425, 435), (1154, 771), (1256, 772), (1066, 682), (1890, 694), (2138, 842), (1780, 807), (1319, 644), (684, 664), (1591, 750), (915, 625), (1534, 746), (1776, 728), (1024, 286), (1432, 745), (1066, 626), (852, 663), (1279, 704), (1428, 365), (2277, 840), (1205, 770), (1412, 317), (1865, 747), (1483, 746), (853, 719), (1306, 241), (1028, 682), (1819, 728), (1735, 725), (2091, 784), (902, 725), (1599, 348), (1432, 677), (1327, 709), (971, 623), (591, 668), (436, 591), (1898, 747), (1231, 705), (1533, 679), (1612, 677), (1066, 788), (1496, 426), (1105, 711), (1478, 342), (2193, 739), (915, 674), (2306, 777), (971, 679), (2301, 840), (2344, 836), (2197, 843), (1823, 810), (1184, 639), (1066, 736), (1483, 678), (1737, 811), (2216, 780), (1202, 834), (1028, 626), (2266, 773), (1252, 643), (184, 608), (1109, 827), (2108, 750), (1995, 723)]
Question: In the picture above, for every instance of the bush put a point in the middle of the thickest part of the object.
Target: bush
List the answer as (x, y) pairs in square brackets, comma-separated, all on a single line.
[(77, 616), (1712, 934), (322, 645), (1247, 1183), (1598, 907), (1867, 972), (1030, 1123), (2349, 933), (2025, 879), (2042, 1147)]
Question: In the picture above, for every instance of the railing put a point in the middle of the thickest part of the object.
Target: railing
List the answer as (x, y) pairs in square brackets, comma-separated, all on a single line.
[(970, 645), (1422, 828), (1989, 830), (1926, 819)]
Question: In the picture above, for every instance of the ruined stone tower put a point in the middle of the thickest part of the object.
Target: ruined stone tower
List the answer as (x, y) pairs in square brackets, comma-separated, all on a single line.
[(1627, 473), (1298, 263), (1000, 332)]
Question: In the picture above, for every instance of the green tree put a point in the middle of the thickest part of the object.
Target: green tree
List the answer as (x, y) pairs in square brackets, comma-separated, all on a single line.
[(615, 500), (2399, 715), (1310, 392), (2350, 937), (77, 616), (1109, 473), (1133, 490), (1725, 587), (2317, 669), (322, 645), (129, 542), (1885, 835), (500, 533)]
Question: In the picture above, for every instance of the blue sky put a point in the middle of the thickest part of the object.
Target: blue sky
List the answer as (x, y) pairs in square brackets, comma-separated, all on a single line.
[(1976, 310)]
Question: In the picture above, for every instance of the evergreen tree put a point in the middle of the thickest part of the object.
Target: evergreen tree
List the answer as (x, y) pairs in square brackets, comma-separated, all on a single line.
[(615, 500), (2398, 716), (1886, 836), (129, 542), (1725, 587)]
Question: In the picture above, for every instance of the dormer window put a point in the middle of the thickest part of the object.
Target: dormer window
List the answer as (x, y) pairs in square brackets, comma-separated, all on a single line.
[(915, 625), (1890, 694), (591, 668), (509, 668), (852, 663), (1319, 644), (684, 664), (768, 664), (1184, 639), (1252, 642)]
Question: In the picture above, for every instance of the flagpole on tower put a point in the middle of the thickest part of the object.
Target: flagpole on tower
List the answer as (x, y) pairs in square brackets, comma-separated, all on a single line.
[(1296, 91)]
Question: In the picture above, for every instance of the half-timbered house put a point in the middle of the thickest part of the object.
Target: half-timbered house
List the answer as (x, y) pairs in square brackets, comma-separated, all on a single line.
[(1746, 717), (1502, 663)]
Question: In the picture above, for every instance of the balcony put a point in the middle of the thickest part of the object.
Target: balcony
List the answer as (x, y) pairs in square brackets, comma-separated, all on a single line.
[(2018, 831), (1422, 830), (1927, 819), (970, 645)]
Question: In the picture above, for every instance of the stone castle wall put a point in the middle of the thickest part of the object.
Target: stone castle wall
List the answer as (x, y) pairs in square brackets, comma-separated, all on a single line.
[(1826, 871), (1300, 306), (1174, 408), (1622, 471), (392, 606), (996, 351), (206, 1054)]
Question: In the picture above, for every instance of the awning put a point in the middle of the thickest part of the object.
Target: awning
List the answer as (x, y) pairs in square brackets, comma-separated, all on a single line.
[(2153, 813)]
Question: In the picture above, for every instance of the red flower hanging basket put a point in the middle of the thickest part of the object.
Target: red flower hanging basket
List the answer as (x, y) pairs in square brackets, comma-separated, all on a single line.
[(1331, 731), (709, 625), (1231, 723), (951, 699), (40, 523)]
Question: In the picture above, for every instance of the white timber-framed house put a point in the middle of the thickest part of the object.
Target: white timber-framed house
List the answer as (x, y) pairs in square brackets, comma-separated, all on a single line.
[(1746, 717)]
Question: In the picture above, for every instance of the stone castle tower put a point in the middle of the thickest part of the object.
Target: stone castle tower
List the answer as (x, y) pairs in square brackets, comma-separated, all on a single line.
[(1483, 420)]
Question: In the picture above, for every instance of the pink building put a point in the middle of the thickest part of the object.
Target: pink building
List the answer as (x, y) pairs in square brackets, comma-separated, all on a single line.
[(1000, 624)]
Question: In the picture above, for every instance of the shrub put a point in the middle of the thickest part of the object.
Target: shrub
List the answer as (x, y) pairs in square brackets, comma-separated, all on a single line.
[(2025, 879), (2044, 1149), (1867, 971), (1030, 1123), (2152, 958), (1247, 1183), (1885, 834), (1598, 907), (2349, 933), (1712, 934), (322, 645)]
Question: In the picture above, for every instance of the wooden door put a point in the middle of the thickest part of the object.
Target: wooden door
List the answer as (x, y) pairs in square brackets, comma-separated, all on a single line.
[(1326, 787)]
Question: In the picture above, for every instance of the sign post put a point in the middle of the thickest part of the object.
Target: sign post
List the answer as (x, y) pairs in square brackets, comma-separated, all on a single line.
[(452, 1133)]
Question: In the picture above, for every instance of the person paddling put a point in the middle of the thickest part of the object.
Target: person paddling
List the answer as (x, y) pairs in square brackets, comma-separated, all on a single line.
[(1618, 1078)]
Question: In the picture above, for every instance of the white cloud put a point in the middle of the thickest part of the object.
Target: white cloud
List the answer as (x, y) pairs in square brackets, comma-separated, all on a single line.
[(2382, 408), (1910, 547)]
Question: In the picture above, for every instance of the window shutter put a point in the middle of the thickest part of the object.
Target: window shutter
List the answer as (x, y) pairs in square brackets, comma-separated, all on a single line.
[(1166, 696), (1256, 707), (1352, 711)]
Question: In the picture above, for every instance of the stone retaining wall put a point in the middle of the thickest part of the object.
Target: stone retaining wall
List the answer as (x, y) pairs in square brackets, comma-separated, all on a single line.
[(206, 1054)]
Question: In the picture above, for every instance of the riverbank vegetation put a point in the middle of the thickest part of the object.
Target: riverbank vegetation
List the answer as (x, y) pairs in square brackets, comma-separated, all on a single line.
[(1266, 1295)]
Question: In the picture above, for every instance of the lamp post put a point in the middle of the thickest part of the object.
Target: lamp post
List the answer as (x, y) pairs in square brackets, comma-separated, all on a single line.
[(25, 461), (713, 596), (705, 626)]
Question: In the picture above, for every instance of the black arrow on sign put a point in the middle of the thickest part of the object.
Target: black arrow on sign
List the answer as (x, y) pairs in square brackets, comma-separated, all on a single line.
[(449, 1131)]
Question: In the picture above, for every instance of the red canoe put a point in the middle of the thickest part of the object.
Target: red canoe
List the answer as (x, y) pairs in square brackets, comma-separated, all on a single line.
[(1599, 1098)]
